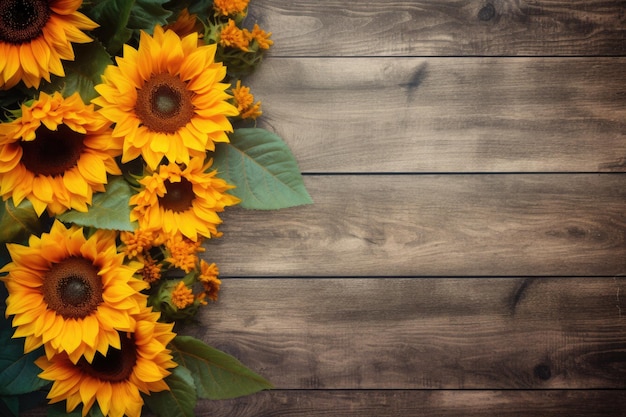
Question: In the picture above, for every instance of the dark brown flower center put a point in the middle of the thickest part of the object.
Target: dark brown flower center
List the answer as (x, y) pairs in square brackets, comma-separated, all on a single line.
[(53, 152), (22, 20), (179, 196), (164, 103), (116, 366), (73, 288)]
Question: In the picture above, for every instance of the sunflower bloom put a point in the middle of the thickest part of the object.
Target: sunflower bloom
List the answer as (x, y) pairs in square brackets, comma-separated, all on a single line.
[(151, 271), (57, 154), (244, 101), (137, 242), (185, 24), (209, 279), (232, 36), (183, 252), (116, 379), (261, 37), (182, 296), (166, 99), (71, 293), (35, 35), (230, 7), (175, 200)]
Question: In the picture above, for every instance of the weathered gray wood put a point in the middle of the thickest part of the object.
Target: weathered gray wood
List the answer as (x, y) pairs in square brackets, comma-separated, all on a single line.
[(421, 403), (448, 115), (443, 27), (434, 225), (434, 333)]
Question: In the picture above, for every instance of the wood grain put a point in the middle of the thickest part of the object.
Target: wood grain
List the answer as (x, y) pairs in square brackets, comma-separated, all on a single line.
[(439, 333), (448, 115), (434, 225), (421, 403), (443, 27)]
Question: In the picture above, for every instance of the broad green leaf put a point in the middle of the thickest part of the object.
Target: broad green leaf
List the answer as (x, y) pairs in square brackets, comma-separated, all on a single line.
[(217, 375), (109, 210), (17, 223), (82, 74), (112, 16), (181, 398), (147, 13), (201, 8), (18, 372), (262, 167)]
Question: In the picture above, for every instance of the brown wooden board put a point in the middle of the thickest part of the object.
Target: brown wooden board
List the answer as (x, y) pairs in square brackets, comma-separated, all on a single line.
[(434, 225), (373, 403), (448, 115), (434, 333), (443, 27)]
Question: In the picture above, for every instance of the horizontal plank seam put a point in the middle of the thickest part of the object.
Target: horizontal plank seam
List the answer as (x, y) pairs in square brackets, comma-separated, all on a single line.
[(442, 56), (418, 276), (475, 173), (446, 389)]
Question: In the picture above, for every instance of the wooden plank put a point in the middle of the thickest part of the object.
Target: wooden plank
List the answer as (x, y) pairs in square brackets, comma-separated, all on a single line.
[(434, 225), (420, 404), (448, 115), (443, 27), (428, 333), (392, 403)]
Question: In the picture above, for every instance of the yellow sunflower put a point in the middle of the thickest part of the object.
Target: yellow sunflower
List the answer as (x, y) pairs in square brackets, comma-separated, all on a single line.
[(186, 201), (35, 35), (166, 98), (57, 154), (71, 293), (230, 7), (114, 379)]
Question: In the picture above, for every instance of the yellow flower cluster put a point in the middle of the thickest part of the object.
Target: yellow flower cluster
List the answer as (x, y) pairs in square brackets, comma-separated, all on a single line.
[(119, 179), (78, 298)]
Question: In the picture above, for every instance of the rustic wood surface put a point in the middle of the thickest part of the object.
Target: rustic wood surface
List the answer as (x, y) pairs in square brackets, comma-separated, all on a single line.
[(466, 252)]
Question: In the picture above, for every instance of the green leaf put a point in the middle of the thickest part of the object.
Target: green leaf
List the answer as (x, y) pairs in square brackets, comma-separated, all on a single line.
[(17, 223), (181, 398), (147, 13), (217, 375), (112, 16), (109, 210), (82, 74), (18, 372), (262, 167)]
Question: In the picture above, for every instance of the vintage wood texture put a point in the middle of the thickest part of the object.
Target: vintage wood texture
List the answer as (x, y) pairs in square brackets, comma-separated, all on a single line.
[(465, 252)]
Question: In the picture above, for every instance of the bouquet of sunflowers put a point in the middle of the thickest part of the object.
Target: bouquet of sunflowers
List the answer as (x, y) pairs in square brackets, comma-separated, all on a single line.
[(125, 130)]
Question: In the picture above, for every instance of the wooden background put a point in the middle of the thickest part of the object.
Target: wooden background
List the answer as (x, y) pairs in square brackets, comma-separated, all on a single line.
[(466, 251), (465, 255)]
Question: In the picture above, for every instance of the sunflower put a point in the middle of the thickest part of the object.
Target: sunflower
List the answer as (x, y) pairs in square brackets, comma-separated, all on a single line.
[(71, 293), (35, 35), (230, 7), (186, 201), (57, 154), (114, 380), (166, 98)]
